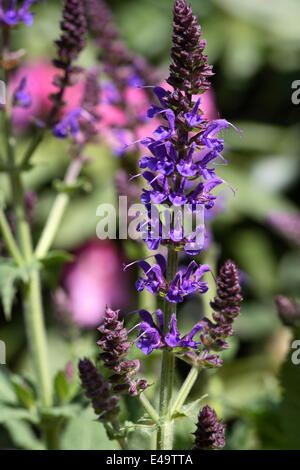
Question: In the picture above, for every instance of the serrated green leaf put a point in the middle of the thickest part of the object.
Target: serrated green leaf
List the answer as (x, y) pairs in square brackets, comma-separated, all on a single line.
[(81, 184), (8, 276)]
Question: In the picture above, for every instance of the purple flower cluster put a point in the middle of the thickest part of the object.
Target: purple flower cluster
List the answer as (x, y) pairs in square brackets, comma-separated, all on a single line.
[(180, 166), (178, 172), (12, 14), (186, 281), (152, 334)]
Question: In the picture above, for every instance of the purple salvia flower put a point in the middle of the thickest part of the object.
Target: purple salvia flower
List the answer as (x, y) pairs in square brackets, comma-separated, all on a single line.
[(187, 280), (210, 432), (22, 97), (151, 335), (12, 14), (70, 123)]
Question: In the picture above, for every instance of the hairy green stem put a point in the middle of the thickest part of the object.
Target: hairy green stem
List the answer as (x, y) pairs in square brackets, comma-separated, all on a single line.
[(185, 389), (165, 430), (210, 257), (148, 407), (33, 308), (9, 240)]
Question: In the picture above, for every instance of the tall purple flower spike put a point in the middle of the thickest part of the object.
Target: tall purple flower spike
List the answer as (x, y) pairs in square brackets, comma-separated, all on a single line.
[(180, 167)]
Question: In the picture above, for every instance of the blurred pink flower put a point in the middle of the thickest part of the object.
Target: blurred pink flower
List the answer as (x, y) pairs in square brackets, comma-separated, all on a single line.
[(115, 124), (39, 85), (92, 281)]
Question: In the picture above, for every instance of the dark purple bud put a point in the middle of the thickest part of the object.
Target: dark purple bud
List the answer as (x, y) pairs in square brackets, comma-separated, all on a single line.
[(119, 62), (190, 70), (73, 27), (115, 347), (210, 432), (228, 299), (98, 391)]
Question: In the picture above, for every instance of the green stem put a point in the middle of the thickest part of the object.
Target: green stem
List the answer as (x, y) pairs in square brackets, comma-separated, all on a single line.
[(149, 408), (121, 440), (185, 389), (165, 431), (146, 300), (33, 308), (58, 210), (9, 239), (210, 257), (51, 434)]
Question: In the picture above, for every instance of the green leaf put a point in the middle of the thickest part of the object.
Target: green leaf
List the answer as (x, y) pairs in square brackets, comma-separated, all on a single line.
[(10, 274), (190, 409), (65, 388), (24, 393), (56, 257), (83, 432), (7, 394), (81, 184), (9, 413), (23, 435), (66, 411)]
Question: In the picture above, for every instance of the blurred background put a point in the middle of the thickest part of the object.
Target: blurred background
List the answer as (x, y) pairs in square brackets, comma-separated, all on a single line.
[(255, 49)]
